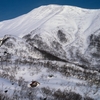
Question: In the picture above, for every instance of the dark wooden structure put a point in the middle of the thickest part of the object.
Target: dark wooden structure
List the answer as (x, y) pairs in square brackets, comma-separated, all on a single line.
[(34, 84)]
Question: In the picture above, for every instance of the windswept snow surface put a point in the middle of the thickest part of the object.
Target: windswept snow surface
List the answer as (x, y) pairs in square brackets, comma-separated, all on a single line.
[(26, 23), (73, 21)]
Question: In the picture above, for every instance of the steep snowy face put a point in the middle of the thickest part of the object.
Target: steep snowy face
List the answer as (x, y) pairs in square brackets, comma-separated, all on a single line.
[(28, 22), (64, 31)]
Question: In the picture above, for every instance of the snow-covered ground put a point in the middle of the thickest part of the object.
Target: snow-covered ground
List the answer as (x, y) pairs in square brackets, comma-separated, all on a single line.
[(21, 75)]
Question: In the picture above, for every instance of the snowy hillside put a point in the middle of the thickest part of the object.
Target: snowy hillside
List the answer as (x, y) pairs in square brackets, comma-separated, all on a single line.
[(64, 31), (49, 39)]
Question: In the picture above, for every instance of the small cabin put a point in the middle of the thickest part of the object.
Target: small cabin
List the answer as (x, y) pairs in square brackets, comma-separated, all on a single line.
[(34, 84)]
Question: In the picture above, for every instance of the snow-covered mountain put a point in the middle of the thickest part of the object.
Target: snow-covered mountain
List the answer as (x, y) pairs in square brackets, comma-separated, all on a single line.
[(57, 46), (66, 32)]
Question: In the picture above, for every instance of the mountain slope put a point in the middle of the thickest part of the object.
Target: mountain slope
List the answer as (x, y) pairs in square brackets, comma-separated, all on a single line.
[(62, 31)]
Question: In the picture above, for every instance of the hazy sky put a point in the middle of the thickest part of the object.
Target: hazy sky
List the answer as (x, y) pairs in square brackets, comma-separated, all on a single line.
[(13, 8)]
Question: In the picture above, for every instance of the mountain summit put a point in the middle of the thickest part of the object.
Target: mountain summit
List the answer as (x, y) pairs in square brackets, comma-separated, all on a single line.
[(69, 33), (73, 18)]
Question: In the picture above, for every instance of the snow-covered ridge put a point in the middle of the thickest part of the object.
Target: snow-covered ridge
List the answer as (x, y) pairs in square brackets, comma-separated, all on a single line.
[(36, 18)]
